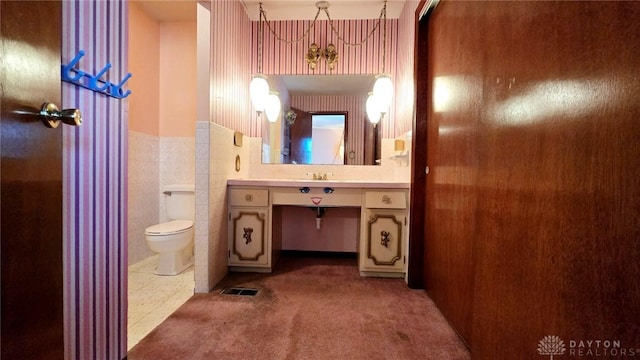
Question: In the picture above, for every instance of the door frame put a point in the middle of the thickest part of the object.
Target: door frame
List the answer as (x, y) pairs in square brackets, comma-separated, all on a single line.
[(416, 267)]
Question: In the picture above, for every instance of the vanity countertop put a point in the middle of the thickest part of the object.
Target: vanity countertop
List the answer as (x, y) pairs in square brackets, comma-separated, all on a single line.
[(362, 184)]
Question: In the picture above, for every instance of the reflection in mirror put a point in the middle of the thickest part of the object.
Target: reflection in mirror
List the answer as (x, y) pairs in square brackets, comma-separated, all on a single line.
[(316, 138), (291, 140)]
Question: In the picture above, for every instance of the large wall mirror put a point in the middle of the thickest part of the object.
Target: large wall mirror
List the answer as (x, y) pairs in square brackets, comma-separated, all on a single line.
[(323, 121)]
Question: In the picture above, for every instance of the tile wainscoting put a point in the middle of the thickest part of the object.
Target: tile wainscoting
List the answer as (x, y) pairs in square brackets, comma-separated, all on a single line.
[(154, 162)]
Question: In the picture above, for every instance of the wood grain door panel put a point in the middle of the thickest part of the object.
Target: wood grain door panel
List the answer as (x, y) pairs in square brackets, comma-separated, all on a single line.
[(31, 182), (533, 195), (301, 133)]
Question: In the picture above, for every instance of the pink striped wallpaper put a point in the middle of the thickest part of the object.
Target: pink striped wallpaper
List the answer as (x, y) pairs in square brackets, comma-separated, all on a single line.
[(280, 58), (230, 68), (356, 124), (235, 50), (405, 90), (235, 59), (95, 186)]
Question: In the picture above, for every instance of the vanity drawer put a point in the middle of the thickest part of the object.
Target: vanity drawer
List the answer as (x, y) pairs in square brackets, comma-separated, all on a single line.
[(385, 199), (248, 197), (316, 196)]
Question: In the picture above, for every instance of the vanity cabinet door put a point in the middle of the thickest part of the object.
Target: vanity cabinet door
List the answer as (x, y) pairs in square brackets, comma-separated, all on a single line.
[(382, 248), (248, 236)]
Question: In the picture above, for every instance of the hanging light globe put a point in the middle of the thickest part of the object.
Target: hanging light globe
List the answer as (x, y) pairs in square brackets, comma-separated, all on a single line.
[(259, 92), (372, 107), (383, 90), (272, 109)]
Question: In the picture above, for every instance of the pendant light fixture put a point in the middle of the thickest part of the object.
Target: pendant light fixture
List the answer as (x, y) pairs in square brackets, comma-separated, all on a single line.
[(259, 92), (273, 106), (383, 91), (383, 87), (373, 109), (259, 87)]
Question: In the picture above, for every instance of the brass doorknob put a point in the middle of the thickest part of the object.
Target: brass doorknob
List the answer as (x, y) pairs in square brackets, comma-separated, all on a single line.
[(52, 116)]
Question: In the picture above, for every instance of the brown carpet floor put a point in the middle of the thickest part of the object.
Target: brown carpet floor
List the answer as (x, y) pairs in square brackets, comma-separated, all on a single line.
[(308, 308)]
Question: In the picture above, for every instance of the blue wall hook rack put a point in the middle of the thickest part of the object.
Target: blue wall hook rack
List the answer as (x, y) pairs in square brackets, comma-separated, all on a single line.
[(93, 82)]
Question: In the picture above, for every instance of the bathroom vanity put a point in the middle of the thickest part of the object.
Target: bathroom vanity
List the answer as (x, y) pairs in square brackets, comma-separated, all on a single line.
[(254, 236)]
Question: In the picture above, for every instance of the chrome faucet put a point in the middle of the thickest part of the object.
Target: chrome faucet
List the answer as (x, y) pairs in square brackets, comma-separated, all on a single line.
[(319, 176)]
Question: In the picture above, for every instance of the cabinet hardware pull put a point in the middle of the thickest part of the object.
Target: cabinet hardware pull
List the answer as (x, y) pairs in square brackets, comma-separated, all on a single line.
[(385, 238), (248, 197), (247, 234), (386, 199)]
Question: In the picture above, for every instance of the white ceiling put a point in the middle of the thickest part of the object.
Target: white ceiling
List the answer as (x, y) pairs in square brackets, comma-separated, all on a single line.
[(328, 84), (169, 10)]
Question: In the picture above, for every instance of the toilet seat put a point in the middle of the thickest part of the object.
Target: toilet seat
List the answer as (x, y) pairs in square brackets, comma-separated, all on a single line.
[(169, 228)]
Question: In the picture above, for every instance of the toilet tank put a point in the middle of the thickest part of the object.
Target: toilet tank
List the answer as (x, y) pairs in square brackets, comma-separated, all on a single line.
[(180, 202)]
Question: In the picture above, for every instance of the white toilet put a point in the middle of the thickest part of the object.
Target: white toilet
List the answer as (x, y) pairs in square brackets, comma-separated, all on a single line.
[(173, 240)]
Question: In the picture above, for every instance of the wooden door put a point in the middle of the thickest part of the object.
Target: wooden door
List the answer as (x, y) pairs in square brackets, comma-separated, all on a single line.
[(532, 202), (416, 252), (31, 182), (300, 132), (372, 144)]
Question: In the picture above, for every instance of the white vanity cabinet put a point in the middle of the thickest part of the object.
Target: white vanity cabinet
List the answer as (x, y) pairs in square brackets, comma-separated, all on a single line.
[(255, 206), (249, 230), (383, 233)]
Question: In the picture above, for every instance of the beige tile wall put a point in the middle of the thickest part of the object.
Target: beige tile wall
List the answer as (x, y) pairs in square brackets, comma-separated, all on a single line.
[(201, 249), (177, 166), (153, 163), (143, 195), (215, 163)]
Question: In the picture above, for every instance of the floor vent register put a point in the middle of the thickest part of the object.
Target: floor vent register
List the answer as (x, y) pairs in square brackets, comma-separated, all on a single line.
[(239, 291)]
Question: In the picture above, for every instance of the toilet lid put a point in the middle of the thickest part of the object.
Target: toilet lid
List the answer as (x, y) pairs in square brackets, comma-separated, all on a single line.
[(168, 228)]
